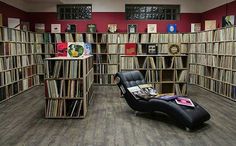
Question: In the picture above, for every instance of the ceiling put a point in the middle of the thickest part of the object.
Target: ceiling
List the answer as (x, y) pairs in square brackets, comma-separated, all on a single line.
[(39, 1)]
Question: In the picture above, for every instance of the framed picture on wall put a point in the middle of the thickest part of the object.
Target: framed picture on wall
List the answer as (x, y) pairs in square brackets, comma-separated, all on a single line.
[(227, 21), (171, 28), (91, 28), (39, 27), (112, 28), (24, 26), (55, 28), (14, 23), (210, 24), (132, 28), (195, 27), (71, 28), (151, 28)]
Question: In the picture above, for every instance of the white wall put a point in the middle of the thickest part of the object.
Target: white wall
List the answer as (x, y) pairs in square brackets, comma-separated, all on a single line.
[(187, 6), (210, 4)]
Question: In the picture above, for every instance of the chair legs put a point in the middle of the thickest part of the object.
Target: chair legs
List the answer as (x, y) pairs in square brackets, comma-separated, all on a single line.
[(187, 129)]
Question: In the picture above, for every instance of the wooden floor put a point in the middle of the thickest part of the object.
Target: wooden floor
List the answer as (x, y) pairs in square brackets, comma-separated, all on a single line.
[(110, 122)]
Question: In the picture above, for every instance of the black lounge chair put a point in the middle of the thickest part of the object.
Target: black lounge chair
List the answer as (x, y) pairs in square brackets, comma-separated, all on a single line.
[(188, 117)]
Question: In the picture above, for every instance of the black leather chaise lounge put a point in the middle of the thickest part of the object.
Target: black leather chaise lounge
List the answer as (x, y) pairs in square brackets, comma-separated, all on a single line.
[(187, 117)]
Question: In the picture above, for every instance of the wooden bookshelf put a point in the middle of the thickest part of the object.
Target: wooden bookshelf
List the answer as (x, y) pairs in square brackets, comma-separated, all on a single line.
[(110, 46), (68, 86), (44, 48), (168, 73), (107, 53), (161, 71), (213, 61), (18, 69)]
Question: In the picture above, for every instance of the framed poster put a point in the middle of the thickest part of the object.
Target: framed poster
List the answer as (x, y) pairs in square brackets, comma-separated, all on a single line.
[(228, 21), (195, 27), (210, 24), (132, 28), (171, 28), (39, 27), (25, 26), (14, 23), (55, 28), (151, 28), (112, 28), (71, 28), (91, 28)]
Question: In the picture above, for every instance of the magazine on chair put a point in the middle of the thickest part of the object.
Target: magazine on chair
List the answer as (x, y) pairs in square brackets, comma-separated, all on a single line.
[(143, 92), (146, 91), (184, 101)]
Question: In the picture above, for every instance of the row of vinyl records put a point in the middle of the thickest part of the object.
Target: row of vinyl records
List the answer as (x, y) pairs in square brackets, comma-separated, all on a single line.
[(12, 62), (214, 61), (178, 89), (64, 108), (75, 37), (104, 79), (217, 35), (223, 34), (106, 68), (151, 76), (89, 81), (121, 38), (222, 48), (17, 87), (219, 87), (89, 64), (64, 88), (215, 73), (21, 36), (63, 69), (141, 48), (154, 76), (14, 75), (106, 58), (146, 38), (137, 62), (22, 49), (9, 34)]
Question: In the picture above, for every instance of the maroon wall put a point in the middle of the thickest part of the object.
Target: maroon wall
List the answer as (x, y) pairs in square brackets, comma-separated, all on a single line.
[(219, 12), (102, 19), (10, 11)]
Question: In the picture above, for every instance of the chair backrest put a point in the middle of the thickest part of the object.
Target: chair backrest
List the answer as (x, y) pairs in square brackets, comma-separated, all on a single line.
[(130, 79), (125, 80)]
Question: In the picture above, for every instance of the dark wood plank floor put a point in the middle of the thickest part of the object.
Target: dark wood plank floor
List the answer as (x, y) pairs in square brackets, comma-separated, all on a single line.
[(110, 122)]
